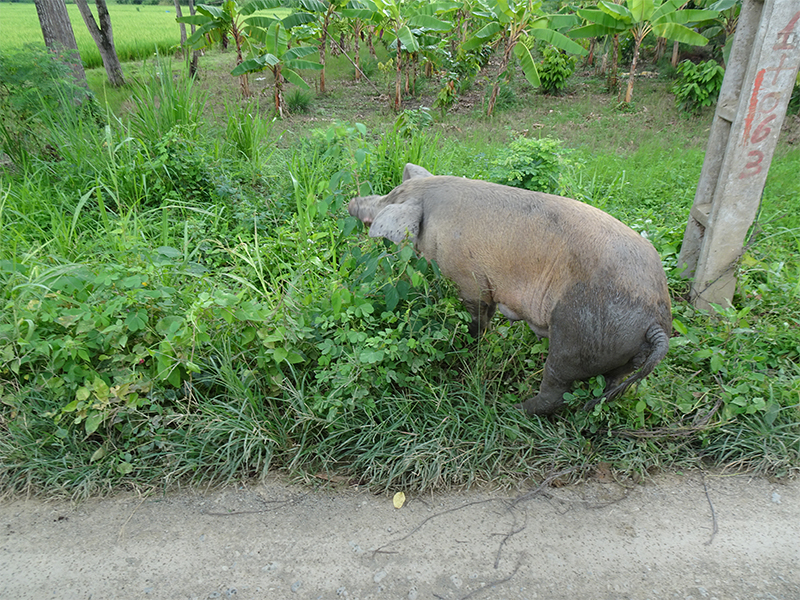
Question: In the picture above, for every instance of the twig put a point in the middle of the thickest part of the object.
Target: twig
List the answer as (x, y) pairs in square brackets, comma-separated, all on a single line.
[(713, 513)]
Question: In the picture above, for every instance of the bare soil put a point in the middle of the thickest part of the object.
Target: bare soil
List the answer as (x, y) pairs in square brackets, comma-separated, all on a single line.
[(690, 537)]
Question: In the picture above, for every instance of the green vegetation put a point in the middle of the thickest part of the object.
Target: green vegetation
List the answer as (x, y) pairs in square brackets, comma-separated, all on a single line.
[(184, 297), (139, 31), (698, 85)]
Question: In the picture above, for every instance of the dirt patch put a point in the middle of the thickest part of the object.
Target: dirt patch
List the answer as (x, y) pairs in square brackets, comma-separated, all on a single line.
[(676, 537)]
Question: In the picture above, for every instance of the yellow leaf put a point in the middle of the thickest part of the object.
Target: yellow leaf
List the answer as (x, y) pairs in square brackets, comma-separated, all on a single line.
[(399, 499)]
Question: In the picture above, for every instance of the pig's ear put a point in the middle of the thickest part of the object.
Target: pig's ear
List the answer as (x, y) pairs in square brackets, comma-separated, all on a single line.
[(415, 172), (398, 222)]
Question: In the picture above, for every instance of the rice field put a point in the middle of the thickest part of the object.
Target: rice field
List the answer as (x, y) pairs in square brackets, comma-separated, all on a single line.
[(138, 30)]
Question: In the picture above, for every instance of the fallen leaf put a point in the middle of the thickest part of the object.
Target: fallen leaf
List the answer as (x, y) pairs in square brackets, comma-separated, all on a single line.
[(399, 499)]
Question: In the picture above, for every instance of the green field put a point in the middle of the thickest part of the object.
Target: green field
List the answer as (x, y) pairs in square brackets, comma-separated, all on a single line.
[(138, 30)]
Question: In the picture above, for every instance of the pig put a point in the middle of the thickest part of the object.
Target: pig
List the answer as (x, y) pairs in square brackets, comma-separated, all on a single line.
[(572, 272)]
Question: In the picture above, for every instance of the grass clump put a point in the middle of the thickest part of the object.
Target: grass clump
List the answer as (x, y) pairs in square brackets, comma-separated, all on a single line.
[(186, 299)]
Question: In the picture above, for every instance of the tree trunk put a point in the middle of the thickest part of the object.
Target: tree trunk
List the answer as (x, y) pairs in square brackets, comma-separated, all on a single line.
[(279, 91), (244, 82), (612, 76), (178, 14), (590, 57), (501, 70), (195, 53), (661, 46), (629, 92), (675, 53), (103, 37), (58, 35), (398, 77), (370, 42), (323, 45), (357, 47)]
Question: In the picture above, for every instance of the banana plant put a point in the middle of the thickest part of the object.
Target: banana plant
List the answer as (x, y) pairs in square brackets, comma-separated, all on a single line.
[(640, 17), (283, 62), (514, 24), (403, 30), (215, 23)]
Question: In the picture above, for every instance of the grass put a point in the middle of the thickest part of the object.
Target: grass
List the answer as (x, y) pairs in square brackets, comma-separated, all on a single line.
[(185, 299), (139, 31)]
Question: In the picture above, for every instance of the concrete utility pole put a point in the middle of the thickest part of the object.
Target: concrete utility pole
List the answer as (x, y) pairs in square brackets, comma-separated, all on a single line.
[(750, 111)]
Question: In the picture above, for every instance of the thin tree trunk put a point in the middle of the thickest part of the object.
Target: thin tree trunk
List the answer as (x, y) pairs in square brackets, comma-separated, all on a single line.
[(370, 42), (661, 46), (612, 76), (178, 14), (590, 56), (103, 37), (629, 92), (503, 67), (195, 53), (279, 91), (357, 47), (59, 36), (675, 53), (323, 46), (398, 77)]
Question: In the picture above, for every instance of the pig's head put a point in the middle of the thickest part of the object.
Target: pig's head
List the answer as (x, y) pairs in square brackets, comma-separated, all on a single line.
[(395, 216)]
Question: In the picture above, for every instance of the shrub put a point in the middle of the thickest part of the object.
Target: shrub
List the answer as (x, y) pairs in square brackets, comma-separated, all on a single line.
[(698, 85), (531, 164), (555, 69)]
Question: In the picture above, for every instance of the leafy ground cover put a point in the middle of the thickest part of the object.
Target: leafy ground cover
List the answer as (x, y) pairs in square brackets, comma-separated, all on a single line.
[(184, 297)]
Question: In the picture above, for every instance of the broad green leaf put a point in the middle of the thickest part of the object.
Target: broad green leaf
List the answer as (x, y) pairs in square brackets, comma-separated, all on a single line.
[(299, 18), (408, 39), (723, 5), (277, 41), (427, 23), (559, 40), (670, 6), (314, 6), (294, 78), (642, 10), (259, 21), (98, 454), (248, 8), (602, 18), (124, 468), (489, 31), (679, 33), (686, 16), (616, 10), (527, 63), (299, 52), (305, 65), (92, 422), (563, 21), (590, 31)]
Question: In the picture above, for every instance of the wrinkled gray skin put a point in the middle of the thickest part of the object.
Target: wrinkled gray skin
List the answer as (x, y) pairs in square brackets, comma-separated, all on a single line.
[(575, 274)]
